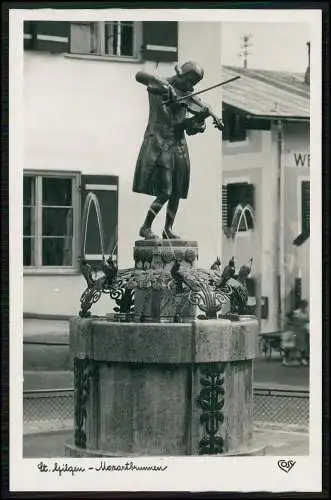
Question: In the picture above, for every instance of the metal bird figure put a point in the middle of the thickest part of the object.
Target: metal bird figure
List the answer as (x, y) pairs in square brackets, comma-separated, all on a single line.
[(238, 296), (244, 271), (229, 271), (216, 266), (110, 271), (178, 278), (86, 270)]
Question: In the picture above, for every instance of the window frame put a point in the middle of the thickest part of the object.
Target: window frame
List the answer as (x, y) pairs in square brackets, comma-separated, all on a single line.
[(100, 53), (38, 175)]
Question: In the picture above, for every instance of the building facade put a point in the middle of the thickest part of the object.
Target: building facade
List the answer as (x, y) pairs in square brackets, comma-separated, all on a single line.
[(84, 121), (266, 186)]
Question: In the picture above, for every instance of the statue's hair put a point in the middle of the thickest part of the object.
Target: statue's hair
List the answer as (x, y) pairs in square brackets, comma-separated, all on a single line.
[(188, 67)]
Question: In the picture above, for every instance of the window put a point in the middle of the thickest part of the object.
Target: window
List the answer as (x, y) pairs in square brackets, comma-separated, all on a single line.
[(234, 125), (110, 39), (49, 220), (238, 206), (125, 40), (305, 214), (52, 208)]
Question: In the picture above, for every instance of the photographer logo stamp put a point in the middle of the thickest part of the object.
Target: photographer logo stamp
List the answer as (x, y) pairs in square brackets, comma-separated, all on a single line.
[(286, 465)]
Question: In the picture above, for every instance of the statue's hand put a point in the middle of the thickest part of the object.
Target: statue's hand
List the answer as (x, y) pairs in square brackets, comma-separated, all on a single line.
[(219, 124), (172, 95)]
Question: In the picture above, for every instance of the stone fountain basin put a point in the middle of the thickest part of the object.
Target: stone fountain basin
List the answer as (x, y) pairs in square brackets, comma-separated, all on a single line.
[(142, 398), (199, 341)]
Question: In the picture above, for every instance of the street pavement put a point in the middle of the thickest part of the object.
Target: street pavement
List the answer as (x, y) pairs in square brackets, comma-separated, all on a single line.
[(278, 443)]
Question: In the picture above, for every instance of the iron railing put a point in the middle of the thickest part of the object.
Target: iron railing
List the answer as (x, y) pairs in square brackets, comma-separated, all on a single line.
[(287, 407), (50, 410)]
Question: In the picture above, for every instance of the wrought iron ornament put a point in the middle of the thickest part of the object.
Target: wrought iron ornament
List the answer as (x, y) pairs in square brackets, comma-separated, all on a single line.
[(209, 290), (113, 283), (83, 370), (211, 402)]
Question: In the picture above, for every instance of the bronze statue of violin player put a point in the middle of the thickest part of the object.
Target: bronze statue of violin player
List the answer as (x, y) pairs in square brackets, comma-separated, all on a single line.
[(163, 165)]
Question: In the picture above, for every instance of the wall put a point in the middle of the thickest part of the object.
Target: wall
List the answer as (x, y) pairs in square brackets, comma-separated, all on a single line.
[(296, 169), (199, 217), (90, 116), (253, 161), (256, 160)]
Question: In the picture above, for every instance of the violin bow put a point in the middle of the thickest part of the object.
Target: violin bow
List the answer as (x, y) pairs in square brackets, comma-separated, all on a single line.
[(179, 99)]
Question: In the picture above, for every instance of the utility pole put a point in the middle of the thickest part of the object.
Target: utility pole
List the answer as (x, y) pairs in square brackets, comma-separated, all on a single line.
[(244, 47), (308, 47), (281, 218), (307, 74)]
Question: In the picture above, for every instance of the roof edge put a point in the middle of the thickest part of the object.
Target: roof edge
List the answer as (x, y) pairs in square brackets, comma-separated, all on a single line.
[(280, 117), (269, 117)]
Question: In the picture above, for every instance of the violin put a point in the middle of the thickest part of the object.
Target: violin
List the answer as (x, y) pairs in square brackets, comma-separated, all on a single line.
[(194, 104), (191, 102), (201, 111), (196, 107)]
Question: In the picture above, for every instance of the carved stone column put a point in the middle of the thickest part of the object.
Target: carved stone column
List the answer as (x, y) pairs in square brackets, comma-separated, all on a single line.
[(153, 301)]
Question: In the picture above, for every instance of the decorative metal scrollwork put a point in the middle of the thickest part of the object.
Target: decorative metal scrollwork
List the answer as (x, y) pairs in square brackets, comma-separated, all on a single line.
[(117, 284), (211, 402), (207, 298), (83, 370), (210, 290), (198, 287)]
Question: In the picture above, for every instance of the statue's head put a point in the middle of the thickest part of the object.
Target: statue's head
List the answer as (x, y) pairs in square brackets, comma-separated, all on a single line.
[(188, 75)]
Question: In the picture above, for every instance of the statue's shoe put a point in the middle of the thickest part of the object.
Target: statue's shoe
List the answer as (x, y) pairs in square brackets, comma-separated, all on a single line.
[(147, 233), (169, 235)]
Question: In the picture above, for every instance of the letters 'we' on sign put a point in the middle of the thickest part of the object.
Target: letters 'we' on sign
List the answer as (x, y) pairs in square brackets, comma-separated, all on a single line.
[(297, 159)]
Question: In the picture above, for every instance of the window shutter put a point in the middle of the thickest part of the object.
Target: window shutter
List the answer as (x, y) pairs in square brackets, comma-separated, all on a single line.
[(226, 120), (239, 127), (160, 41), (28, 35), (235, 124), (225, 222), (47, 36), (305, 214), (105, 187), (305, 206)]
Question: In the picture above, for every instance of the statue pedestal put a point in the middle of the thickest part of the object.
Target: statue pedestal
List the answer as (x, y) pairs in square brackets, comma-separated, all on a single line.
[(163, 389), (163, 304)]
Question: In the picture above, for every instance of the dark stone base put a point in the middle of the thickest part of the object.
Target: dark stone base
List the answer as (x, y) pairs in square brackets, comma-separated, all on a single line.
[(257, 450)]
